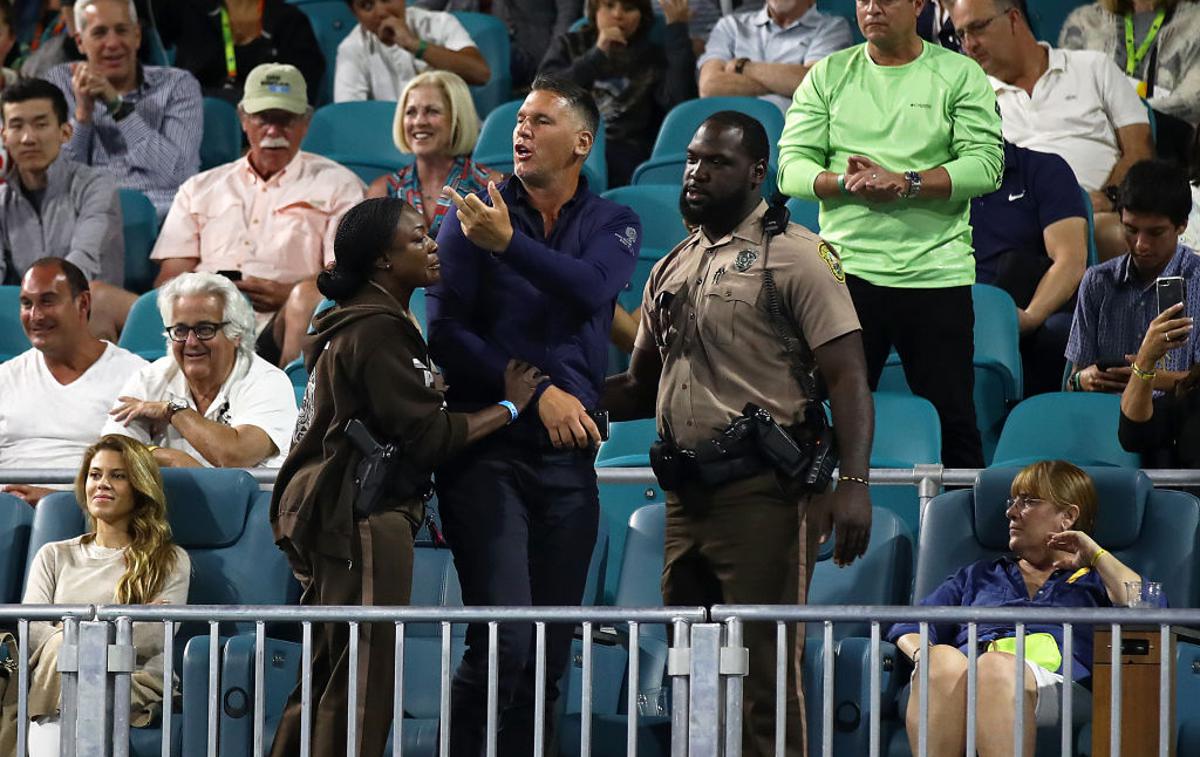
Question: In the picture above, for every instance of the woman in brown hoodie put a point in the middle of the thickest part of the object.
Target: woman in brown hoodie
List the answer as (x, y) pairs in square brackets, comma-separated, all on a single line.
[(368, 362)]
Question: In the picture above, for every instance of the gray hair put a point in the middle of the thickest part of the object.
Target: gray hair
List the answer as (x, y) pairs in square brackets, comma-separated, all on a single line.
[(237, 313), (81, 8)]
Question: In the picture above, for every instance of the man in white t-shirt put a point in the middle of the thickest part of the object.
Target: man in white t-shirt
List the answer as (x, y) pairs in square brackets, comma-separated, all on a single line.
[(392, 44), (211, 401), (1073, 103), (54, 397)]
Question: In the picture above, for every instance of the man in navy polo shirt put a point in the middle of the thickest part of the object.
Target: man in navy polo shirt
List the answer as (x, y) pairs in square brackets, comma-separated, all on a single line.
[(1030, 240), (1117, 299), (530, 271)]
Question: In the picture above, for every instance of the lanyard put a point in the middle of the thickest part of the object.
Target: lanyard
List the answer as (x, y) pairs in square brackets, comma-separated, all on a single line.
[(1133, 58), (227, 33)]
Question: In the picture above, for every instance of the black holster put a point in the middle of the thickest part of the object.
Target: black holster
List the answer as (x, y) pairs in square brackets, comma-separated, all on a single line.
[(384, 474)]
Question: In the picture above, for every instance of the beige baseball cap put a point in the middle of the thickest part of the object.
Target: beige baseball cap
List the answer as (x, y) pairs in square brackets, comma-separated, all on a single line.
[(275, 86)]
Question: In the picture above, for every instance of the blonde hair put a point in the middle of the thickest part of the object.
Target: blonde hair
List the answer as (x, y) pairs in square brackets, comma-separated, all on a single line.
[(1062, 484), (464, 121), (150, 556)]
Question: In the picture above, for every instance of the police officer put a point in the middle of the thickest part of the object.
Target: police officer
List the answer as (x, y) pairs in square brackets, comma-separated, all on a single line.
[(716, 334), (531, 271)]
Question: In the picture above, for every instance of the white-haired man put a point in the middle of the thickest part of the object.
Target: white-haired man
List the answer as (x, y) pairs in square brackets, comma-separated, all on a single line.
[(143, 122), (269, 216), (211, 401)]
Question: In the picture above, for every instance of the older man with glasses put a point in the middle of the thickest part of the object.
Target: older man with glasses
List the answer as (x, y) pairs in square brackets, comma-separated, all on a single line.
[(211, 401), (266, 220)]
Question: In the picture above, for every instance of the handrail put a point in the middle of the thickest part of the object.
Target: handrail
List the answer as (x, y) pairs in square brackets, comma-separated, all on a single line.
[(934, 614), (400, 614), (887, 476)]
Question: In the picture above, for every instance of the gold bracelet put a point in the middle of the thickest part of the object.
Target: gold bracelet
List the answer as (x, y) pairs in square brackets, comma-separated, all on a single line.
[(1146, 375), (1096, 557), (855, 479)]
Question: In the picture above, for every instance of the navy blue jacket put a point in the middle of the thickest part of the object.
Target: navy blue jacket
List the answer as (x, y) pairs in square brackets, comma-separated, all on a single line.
[(548, 301)]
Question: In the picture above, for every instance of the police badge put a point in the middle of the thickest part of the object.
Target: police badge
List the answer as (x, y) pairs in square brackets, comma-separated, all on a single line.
[(744, 260)]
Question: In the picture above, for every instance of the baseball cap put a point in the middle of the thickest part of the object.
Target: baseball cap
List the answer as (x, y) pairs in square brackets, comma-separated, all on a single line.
[(275, 86)]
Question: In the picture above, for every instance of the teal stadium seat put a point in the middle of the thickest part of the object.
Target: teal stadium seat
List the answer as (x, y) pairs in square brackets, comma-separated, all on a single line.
[(907, 433), (845, 9), (16, 521), (359, 136), (331, 21), (999, 383), (139, 222), (222, 141), (1047, 17), (144, 332), (1077, 426), (628, 446), (1093, 255), (12, 336), (658, 208), (1153, 531), (494, 146), (805, 213), (491, 37), (667, 159)]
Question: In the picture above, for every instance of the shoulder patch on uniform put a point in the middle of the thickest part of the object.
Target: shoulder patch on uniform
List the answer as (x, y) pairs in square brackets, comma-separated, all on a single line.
[(744, 260), (832, 260), (628, 238)]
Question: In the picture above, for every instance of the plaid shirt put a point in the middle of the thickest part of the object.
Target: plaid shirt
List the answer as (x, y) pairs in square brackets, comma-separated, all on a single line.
[(466, 177), (1115, 308), (156, 147)]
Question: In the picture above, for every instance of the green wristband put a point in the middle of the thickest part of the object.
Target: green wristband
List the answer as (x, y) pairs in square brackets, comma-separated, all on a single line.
[(421, 48), (841, 182)]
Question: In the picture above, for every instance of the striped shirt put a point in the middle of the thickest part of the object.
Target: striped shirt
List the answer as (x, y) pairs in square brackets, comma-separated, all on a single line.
[(1115, 308), (156, 147), (466, 177)]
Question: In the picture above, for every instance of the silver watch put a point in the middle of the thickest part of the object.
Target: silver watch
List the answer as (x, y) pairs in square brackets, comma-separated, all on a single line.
[(913, 179), (174, 406)]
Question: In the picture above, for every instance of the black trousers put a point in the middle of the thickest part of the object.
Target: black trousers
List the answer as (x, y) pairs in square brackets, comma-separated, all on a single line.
[(933, 331), (522, 525)]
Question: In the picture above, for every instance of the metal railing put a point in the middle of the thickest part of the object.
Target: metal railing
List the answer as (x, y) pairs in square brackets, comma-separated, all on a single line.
[(705, 667)]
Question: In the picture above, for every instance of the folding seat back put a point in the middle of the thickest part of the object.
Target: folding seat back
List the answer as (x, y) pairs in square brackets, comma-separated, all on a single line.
[(1080, 427)]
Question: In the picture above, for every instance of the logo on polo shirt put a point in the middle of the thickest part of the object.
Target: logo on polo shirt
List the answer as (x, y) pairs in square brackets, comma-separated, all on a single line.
[(1014, 197), (629, 239), (925, 106)]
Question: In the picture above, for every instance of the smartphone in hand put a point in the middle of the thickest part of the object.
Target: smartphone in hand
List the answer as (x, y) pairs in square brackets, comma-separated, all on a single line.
[(1170, 292), (237, 275)]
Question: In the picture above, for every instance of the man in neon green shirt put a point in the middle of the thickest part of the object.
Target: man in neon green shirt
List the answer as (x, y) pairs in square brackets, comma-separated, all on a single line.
[(894, 137)]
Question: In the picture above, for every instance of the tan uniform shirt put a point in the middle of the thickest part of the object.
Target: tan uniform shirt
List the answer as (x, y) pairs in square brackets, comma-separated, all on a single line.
[(717, 345)]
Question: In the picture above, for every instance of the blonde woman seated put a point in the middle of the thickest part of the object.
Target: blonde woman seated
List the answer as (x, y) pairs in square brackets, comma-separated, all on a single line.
[(126, 557), (1054, 563), (436, 123)]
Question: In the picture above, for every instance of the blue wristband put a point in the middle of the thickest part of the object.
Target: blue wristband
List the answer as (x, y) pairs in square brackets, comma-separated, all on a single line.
[(512, 410)]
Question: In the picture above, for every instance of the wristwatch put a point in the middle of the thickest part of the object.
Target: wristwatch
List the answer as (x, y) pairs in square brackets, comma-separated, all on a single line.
[(739, 65), (914, 184), (119, 108), (174, 406)]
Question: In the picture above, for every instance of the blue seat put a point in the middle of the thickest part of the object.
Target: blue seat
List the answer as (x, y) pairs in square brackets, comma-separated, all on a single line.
[(658, 208), (999, 382), (1077, 426), (805, 212), (1152, 531), (358, 135), (16, 521), (907, 433), (331, 21), (628, 444), (1047, 17), (222, 140), (668, 157), (12, 335), (1093, 255), (491, 37), (220, 517), (845, 9), (630, 297), (139, 222), (143, 334), (494, 146)]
